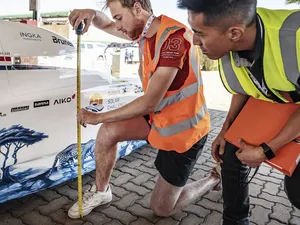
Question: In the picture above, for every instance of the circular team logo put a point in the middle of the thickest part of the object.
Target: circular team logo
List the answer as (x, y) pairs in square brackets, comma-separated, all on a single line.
[(95, 104), (96, 98)]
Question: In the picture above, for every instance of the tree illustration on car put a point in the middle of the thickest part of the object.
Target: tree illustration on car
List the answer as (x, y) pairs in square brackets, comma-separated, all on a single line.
[(12, 140)]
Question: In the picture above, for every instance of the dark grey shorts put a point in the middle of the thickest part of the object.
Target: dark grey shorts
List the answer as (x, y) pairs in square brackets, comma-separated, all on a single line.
[(176, 167)]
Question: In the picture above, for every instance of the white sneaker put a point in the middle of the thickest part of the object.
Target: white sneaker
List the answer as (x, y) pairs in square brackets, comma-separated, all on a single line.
[(90, 200)]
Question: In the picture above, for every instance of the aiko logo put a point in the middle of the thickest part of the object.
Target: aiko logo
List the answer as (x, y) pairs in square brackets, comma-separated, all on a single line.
[(64, 100)]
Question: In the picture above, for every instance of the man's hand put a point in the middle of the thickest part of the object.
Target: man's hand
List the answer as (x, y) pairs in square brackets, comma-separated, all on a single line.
[(218, 146), (79, 15), (85, 117), (250, 155)]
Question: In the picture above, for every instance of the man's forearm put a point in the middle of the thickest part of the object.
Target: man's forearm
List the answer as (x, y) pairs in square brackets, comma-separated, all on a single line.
[(289, 132), (134, 109), (237, 103), (101, 21)]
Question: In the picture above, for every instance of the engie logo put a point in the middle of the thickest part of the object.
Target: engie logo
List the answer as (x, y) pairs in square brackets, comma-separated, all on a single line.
[(30, 36), (41, 103), (64, 100), (61, 41)]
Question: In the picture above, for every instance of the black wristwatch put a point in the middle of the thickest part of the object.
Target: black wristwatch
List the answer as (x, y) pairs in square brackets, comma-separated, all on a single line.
[(267, 150)]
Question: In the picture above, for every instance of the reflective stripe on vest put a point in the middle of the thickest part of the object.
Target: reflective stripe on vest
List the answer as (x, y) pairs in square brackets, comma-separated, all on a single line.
[(230, 75), (183, 125), (180, 95), (142, 44), (288, 47)]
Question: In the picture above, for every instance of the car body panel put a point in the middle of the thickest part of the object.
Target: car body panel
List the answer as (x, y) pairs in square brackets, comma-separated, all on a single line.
[(38, 123)]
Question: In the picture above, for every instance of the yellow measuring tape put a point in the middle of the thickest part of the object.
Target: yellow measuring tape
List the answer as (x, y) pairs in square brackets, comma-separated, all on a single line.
[(79, 32)]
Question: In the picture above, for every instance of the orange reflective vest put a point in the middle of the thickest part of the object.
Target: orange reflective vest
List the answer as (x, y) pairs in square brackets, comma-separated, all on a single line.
[(181, 119)]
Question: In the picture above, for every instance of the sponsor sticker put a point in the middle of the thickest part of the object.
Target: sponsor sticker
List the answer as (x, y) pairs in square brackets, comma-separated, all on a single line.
[(30, 36), (57, 40), (64, 100), (96, 103), (115, 103), (20, 109), (4, 53), (42, 103), (2, 114), (96, 98), (114, 92)]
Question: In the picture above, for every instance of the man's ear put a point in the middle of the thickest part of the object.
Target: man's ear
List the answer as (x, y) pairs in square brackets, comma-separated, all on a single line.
[(137, 8), (235, 33)]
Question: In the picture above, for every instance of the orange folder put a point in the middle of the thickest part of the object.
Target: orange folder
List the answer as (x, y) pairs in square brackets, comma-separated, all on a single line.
[(259, 121)]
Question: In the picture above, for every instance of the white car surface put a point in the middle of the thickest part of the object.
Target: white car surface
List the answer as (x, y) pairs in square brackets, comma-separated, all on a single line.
[(38, 123)]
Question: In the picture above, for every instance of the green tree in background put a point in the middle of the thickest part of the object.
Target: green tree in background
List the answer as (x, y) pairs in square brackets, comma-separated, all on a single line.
[(208, 64), (292, 1)]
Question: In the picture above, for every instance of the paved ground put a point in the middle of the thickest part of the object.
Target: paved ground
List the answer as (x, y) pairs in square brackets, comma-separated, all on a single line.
[(134, 178)]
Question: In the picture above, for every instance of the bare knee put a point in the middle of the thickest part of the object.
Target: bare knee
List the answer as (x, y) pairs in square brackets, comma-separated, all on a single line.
[(164, 198), (107, 135), (160, 209)]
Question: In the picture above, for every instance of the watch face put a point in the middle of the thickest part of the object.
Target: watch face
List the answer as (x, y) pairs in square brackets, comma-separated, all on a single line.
[(268, 151)]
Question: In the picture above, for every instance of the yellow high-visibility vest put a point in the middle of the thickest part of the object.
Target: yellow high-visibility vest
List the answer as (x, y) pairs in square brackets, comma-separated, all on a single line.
[(281, 58)]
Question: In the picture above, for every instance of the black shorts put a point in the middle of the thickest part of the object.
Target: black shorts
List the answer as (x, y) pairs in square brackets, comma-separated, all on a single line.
[(176, 167)]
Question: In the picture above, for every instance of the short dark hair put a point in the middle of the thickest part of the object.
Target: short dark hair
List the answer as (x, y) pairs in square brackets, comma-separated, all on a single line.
[(146, 4), (216, 11)]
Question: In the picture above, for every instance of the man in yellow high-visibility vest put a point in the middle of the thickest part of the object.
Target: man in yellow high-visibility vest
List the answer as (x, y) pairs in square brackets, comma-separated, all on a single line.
[(259, 55)]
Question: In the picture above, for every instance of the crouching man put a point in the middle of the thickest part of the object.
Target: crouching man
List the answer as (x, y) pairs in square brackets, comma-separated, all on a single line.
[(171, 115)]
